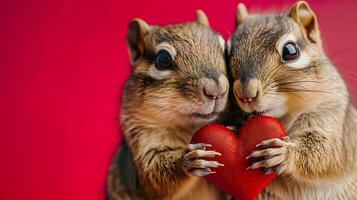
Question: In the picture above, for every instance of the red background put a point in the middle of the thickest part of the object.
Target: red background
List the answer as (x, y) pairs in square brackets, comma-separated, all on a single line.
[(62, 67)]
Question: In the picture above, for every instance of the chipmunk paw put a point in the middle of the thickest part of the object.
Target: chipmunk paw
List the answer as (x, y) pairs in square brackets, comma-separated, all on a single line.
[(194, 161), (271, 155)]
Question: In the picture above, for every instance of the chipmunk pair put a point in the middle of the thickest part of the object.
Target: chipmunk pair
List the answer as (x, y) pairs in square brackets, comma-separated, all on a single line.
[(276, 66)]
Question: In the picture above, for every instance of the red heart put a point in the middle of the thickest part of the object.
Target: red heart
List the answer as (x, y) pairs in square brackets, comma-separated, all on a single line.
[(233, 178)]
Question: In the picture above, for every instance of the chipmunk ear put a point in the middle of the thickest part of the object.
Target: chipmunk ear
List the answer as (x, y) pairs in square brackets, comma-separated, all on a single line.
[(241, 14), (306, 18), (137, 29), (201, 18)]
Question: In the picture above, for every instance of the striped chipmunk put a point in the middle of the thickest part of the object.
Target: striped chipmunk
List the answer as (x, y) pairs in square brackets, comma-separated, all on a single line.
[(178, 84), (279, 68)]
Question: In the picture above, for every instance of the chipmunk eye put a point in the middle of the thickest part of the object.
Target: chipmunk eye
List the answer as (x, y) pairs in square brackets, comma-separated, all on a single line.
[(290, 52), (163, 60)]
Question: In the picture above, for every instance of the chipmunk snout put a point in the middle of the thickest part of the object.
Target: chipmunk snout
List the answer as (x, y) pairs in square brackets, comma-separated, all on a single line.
[(247, 91), (215, 89)]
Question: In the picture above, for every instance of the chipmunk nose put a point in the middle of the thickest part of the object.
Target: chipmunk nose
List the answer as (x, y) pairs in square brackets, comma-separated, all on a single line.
[(211, 94), (214, 90), (247, 92)]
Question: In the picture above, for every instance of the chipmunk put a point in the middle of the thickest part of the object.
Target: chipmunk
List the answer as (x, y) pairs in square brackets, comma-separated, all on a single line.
[(178, 84), (279, 68)]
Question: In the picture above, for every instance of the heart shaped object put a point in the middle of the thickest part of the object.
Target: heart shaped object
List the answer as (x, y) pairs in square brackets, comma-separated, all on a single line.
[(234, 178)]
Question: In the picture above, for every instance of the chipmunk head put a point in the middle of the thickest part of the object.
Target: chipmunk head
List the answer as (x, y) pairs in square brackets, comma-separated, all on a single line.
[(277, 60), (179, 70)]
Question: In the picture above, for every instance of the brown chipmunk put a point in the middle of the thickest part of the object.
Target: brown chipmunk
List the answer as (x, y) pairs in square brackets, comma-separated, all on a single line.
[(279, 68), (178, 84)]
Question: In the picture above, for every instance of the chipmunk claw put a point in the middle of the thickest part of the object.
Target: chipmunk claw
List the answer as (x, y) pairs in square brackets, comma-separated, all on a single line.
[(202, 172), (198, 146), (232, 128)]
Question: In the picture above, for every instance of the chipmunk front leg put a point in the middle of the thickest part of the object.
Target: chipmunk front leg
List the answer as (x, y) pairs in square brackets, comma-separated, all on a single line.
[(165, 169)]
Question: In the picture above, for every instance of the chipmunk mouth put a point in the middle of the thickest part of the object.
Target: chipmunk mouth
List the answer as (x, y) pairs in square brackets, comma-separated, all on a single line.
[(276, 112), (255, 109), (209, 116), (260, 112), (263, 107)]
